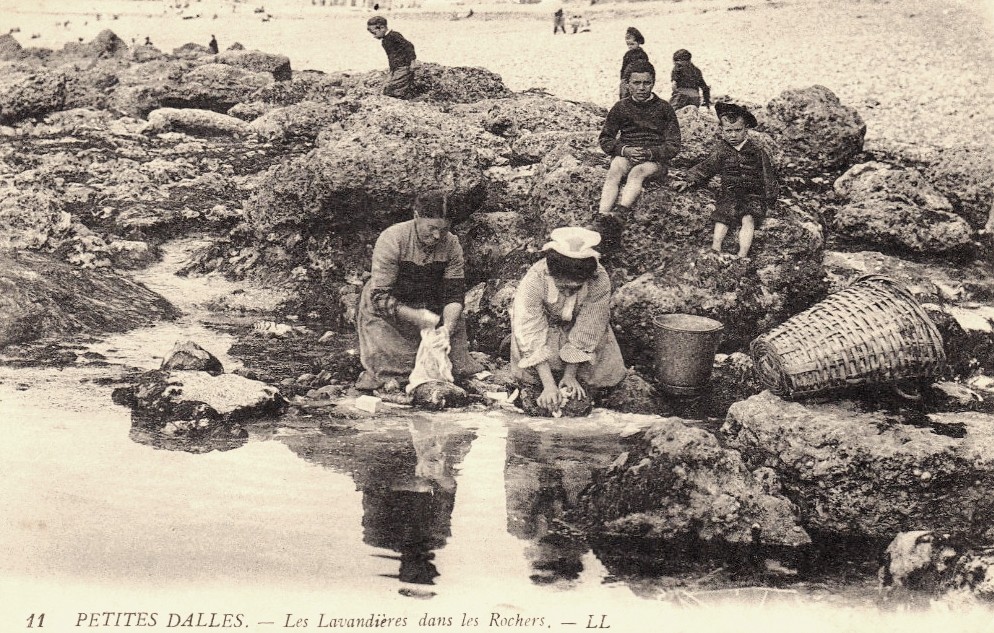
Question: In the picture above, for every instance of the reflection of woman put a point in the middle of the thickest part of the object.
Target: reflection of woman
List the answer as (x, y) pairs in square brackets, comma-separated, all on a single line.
[(417, 283), (560, 321), (408, 498)]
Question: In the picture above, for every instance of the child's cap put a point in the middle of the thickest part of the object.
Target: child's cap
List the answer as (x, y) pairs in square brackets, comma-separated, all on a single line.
[(574, 242), (634, 33), (736, 112), (376, 20), (682, 55)]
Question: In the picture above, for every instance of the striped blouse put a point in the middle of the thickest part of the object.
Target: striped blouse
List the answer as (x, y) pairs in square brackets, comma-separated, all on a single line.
[(539, 306)]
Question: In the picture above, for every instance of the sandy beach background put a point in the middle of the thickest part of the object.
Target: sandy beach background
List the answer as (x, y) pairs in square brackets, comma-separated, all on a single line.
[(917, 70)]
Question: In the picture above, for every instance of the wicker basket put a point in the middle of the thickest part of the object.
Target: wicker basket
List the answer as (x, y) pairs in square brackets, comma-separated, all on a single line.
[(872, 332)]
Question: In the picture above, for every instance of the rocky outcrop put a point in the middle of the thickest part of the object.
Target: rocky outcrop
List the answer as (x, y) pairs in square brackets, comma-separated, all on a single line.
[(43, 297), (300, 121), (818, 132), (197, 404), (531, 113), (24, 95), (867, 474), (410, 147), (258, 62), (497, 246), (195, 122), (677, 481), (897, 208)]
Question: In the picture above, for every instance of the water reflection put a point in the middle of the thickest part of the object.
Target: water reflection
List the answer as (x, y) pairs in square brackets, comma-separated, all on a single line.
[(544, 475), (406, 475), (142, 433)]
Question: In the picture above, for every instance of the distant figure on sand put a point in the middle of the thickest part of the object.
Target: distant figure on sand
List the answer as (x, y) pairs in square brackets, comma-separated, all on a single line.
[(400, 55), (148, 41), (687, 82), (212, 45), (749, 184), (634, 42), (641, 134), (558, 21)]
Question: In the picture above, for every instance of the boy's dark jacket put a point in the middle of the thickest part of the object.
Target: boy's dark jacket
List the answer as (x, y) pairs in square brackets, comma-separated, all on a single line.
[(724, 161)]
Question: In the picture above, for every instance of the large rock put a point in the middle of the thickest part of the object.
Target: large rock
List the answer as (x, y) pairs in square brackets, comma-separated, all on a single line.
[(816, 130), (903, 227), (875, 180), (168, 395), (507, 187), (43, 297), (304, 120), (867, 475), (195, 122), (897, 208), (29, 219), (677, 481), (369, 171), (180, 84), (24, 95), (456, 84), (531, 112), (258, 62), (307, 85)]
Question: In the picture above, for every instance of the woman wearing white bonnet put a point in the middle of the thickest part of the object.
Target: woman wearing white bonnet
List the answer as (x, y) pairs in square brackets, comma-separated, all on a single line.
[(561, 335)]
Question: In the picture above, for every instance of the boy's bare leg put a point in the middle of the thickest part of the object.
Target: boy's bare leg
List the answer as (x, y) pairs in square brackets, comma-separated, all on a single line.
[(633, 187), (745, 235), (720, 230), (609, 192)]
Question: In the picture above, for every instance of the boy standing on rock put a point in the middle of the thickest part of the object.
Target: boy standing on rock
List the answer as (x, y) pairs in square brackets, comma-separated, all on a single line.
[(749, 184), (641, 134), (400, 55)]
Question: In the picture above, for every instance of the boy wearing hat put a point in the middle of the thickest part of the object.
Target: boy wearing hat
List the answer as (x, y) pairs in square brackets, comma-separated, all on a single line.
[(560, 322), (641, 134), (634, 41), (400, 56), (749, 185)]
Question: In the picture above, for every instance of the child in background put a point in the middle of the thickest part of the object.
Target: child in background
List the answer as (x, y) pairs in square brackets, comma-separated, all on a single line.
[(688, 83), (634, 42), (640, 134), (749, 185), (400, 55)]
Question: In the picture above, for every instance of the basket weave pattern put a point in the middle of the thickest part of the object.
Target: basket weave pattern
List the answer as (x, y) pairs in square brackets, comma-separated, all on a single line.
[(874, 331)]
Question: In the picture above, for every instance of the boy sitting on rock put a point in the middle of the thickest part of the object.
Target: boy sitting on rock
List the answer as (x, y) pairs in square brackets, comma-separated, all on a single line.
[(749, 185), (400, 55), (641, 134)]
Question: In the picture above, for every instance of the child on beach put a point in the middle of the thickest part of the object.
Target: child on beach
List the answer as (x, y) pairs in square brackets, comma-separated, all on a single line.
[(749, 185), (634, 42), (400, 55), (641, 134), (688, 83)]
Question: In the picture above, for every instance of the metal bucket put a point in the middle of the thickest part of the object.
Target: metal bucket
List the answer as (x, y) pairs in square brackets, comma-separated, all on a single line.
[(685, 349)]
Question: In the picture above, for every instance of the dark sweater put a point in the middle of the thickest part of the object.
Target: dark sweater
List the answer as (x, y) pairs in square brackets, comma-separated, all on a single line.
[(651, 125), (686, 75), (400, 52), (631, 56)]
